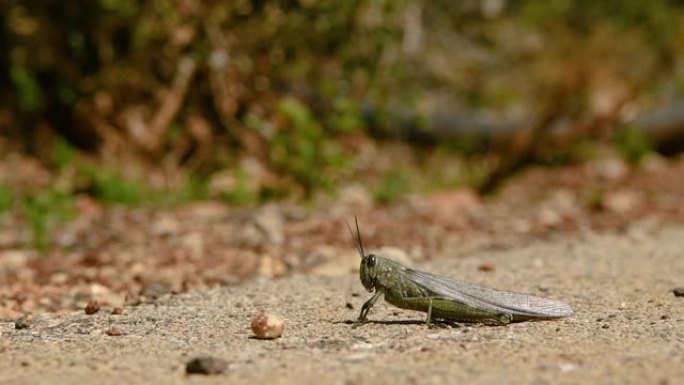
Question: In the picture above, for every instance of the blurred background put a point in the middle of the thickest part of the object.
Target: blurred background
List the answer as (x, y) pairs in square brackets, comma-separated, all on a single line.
[(114, 113)]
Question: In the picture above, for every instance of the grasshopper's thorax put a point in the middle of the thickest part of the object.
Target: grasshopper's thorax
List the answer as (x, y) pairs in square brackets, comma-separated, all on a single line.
[(390, 278)]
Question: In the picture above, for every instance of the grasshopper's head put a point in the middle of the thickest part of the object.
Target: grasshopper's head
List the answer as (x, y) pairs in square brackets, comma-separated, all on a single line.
[(368, 271)]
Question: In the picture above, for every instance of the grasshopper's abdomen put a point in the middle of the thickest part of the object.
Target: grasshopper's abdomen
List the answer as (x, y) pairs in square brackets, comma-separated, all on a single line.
[(408, 294), (444, 308)]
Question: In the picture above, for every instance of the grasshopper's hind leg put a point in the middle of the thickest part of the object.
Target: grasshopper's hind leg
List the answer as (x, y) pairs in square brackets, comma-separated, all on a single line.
[(432, 322), (450, 312), (428, 319)]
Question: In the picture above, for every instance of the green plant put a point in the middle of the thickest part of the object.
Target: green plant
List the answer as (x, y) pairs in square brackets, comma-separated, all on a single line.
[(633, 143), (594, 199), (43, 211), (301, 149), (5, 198), (28, 88), (63, 154), (346, 116), (111, 187), (393, 186), (242, 194)]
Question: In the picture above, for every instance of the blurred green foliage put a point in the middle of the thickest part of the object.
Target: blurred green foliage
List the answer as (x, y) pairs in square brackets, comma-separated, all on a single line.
[(43, 211), (393, 185), (594, 199), (633, 143), (286, 82), (241, 194), (293, 86), (657, 18), (301, 148), (110, 187), (6, 198), (29, 91), (63, 154)]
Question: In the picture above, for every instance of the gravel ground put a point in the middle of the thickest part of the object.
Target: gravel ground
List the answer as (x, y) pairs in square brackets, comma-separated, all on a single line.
[(628, 327)]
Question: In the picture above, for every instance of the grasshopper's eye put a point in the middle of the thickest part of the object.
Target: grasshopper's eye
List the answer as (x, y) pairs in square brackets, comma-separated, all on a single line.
[(371, 260)]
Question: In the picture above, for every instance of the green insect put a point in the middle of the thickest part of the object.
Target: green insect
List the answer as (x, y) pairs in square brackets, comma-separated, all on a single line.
[(446, 300)]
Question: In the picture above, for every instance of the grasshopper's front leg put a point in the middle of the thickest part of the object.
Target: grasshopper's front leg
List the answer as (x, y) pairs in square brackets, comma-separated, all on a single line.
[(366, 307)]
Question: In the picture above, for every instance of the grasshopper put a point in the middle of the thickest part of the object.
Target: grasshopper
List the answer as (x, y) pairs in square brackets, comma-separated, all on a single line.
[(445, 300)]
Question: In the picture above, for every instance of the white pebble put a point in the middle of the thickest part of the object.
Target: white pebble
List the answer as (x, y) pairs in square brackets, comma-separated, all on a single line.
[(267, 326)]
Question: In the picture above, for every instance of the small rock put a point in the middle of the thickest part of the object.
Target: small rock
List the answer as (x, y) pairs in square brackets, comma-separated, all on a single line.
[(104, 295), (117, 311), (270, 222), (654, 162), (248, 236), (487, 266), (270, 266), (59, 279), (566, 367), (609, 168), (132, 299), (21, 323), (355, 197), (165, 225), (449, 203), (156, 289), (206, 365), (114, 331), (193, 243), (92, 307), (621, 202), (267, 326), (549, 218), (330, 262), (678, 291), (13, 260)]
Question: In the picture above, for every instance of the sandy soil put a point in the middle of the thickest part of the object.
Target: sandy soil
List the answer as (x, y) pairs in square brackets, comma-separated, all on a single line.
[(628, 327)]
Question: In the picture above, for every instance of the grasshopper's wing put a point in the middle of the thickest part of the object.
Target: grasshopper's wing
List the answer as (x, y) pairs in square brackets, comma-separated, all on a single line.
[(489, 299)]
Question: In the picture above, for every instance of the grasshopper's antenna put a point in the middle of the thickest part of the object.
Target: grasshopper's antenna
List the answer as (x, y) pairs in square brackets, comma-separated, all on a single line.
[(358, 235), (357, 238)]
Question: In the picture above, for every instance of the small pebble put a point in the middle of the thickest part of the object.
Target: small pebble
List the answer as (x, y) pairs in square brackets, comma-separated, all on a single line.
[(21, 323), (156, 289), (349, 305), (117, 311), (678, 291), (487, 266), (267, 326), (114, 331), (206, 365), (92, 307)]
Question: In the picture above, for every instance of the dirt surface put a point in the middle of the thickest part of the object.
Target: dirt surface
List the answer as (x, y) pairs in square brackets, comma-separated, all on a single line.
[(628, 327)]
